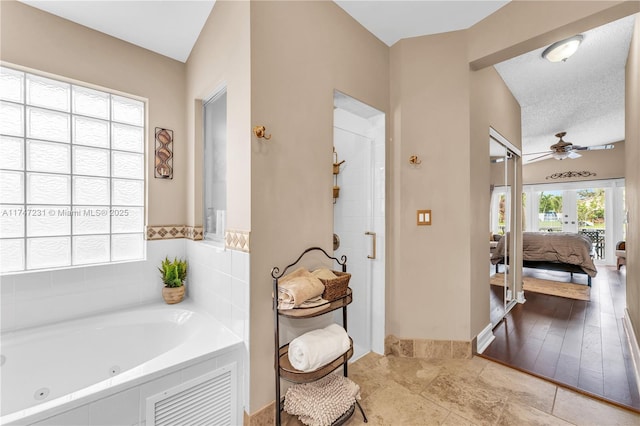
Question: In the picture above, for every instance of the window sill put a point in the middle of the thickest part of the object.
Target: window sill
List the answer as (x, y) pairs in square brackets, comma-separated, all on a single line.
[(219, 244), (62, 269)]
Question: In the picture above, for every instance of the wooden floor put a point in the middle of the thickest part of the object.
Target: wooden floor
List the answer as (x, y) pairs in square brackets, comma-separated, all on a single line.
[(575, 343)]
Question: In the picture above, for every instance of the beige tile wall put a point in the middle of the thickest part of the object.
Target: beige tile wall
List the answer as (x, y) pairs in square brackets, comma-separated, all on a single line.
[(428, 348)]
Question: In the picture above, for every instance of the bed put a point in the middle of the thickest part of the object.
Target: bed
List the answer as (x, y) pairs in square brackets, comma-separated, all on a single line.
[(556, 251)]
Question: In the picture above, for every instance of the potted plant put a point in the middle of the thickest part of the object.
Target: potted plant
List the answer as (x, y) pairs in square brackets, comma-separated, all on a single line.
[(173, 274)]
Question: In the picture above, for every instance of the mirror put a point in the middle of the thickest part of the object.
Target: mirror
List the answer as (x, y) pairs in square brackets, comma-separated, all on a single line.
[(502, 235)]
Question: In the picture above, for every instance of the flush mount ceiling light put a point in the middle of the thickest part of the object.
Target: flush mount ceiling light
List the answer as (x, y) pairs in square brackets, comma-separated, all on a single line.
[(561, 50)]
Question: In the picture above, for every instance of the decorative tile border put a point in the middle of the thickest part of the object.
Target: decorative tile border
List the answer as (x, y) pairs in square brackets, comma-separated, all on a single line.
[(427, 348), (169, 232), (195, 233), (236, 240), (165, 232)]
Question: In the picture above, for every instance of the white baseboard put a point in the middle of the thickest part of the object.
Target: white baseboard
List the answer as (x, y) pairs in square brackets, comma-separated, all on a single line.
[(484, 338), (633, 345)]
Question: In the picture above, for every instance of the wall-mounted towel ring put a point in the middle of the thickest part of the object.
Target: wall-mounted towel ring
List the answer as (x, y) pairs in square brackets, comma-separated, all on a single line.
[(414, 160), (261, 132)]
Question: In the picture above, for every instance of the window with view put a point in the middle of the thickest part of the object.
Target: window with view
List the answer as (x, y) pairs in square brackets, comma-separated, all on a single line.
[(71, 174)]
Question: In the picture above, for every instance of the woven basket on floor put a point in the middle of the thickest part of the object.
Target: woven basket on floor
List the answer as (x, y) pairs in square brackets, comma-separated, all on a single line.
[(337, 287)]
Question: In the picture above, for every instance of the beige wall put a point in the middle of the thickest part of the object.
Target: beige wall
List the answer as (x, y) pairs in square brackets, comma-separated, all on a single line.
[(439, 287), (428, 91), (606, 164), (44, 42), (428, 291), (221, 57), (632, 195), (300, 53), (492, 104)]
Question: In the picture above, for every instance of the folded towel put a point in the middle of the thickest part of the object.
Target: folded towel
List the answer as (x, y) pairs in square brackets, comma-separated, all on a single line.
[(322, 402), (312, 303), (324, 273), (297, 287), (316, 348)]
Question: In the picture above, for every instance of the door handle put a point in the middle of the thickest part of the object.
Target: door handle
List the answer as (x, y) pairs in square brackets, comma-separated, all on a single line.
[(373, 234)]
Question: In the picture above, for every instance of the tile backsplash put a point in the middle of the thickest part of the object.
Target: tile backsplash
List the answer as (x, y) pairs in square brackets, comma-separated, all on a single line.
[(219, 282), (36, 298)]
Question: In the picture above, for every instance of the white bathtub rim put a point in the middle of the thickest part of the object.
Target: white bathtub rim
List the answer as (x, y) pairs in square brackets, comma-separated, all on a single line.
[(134, 377), (187, 304)]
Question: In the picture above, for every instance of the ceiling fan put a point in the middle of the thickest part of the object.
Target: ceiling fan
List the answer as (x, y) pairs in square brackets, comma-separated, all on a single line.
[(562, 149)]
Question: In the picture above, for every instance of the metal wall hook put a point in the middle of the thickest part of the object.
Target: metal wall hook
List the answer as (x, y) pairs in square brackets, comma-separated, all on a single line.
[(414, 160), (261, 132)]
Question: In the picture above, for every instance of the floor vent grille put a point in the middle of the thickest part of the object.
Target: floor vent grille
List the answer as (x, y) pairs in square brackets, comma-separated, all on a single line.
[(205, 400)]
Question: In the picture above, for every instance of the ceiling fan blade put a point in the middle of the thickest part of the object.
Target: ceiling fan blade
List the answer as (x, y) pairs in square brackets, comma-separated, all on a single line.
[(598, 147), (542, 156), (534, 153), (573, 155)]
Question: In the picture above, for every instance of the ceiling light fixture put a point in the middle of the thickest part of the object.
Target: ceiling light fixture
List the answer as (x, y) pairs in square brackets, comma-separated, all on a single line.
[(560, 155), (561, 50)]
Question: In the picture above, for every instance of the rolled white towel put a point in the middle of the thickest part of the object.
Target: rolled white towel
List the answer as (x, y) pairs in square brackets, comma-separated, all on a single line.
[(318, 347)]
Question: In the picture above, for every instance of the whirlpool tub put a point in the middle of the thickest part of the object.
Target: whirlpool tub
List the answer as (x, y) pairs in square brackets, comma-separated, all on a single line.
[(102, 369)]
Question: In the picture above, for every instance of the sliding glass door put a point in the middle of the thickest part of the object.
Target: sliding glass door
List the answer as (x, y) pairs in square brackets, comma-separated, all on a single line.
[(592, 208)]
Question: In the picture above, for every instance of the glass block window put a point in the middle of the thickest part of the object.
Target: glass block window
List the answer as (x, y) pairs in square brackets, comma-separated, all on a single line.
[(71, 174)]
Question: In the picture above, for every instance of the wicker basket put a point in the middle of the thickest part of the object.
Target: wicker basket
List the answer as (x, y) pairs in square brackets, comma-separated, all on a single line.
[(173, 295), (337, 287)]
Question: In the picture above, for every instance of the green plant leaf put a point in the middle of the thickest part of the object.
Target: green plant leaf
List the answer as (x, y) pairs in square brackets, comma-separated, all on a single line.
[(174, 272)]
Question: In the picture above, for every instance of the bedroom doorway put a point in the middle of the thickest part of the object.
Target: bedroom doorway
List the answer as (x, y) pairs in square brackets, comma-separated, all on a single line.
[(359, 216)]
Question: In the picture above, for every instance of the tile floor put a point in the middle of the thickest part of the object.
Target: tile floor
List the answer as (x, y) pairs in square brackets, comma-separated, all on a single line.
[(411, 391)]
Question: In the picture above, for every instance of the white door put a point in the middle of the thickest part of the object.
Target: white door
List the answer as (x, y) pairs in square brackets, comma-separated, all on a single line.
[(359, 218), (569, 211)]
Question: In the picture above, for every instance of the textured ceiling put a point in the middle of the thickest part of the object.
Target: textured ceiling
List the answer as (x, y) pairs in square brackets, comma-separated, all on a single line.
[(583, 96)]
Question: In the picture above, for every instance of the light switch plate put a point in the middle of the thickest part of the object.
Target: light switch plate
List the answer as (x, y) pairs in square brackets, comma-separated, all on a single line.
[(423, 217)]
